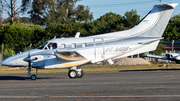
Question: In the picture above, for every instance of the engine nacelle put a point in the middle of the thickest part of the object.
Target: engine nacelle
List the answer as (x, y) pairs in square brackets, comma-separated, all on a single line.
[(172, 55), (168, 56), (34, 58)]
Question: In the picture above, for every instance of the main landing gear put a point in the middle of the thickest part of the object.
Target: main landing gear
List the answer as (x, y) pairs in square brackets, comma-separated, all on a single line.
[(75, 72)]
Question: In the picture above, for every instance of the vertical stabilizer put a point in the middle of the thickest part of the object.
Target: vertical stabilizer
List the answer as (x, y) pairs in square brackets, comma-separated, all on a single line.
[(157, 20), (152, 25)]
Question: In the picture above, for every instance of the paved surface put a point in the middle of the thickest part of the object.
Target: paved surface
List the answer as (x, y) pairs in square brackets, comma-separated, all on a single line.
[(124, 86)]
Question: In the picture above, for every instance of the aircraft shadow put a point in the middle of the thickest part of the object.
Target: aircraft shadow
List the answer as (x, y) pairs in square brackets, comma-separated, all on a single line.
[(149, 70), (17, 78)]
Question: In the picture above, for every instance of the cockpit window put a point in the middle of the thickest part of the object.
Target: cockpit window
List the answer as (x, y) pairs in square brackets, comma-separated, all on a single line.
[(42, 45), (49, 46), (52, 45)]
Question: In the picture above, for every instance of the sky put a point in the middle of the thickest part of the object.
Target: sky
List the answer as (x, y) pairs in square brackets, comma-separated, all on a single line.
[(101, 7)]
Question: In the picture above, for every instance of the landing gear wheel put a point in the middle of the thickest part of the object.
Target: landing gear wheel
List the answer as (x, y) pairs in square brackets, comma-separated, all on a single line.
[(80, 74), (72, 74), (33, 77)]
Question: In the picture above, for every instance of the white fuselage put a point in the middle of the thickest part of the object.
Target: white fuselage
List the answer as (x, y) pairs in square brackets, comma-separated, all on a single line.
[(92, 49), (69, 52)]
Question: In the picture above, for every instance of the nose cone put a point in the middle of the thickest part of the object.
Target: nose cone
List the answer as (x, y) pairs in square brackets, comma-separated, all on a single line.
[(6, 62), (17, 60), (14, 61)]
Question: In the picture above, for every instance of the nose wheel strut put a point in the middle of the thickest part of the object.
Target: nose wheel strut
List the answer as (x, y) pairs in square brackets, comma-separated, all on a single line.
[(33, 76)]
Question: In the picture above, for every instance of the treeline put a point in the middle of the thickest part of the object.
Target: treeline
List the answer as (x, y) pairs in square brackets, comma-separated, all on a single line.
[(172, 31), (63, 19), (19, 35)]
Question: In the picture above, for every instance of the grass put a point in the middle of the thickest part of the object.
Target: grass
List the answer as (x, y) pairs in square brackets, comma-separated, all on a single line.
[(93, 68)]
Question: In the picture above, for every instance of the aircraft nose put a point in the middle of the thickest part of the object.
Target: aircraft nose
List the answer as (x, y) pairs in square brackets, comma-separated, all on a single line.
[(5, 63), (10, 61)]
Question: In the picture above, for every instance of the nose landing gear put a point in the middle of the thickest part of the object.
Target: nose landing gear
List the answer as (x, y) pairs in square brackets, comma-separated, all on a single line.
[(33, 76)]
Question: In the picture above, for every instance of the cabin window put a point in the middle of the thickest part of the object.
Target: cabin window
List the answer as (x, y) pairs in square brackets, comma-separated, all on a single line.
[(63, 46), (84, 45), (73, 45)]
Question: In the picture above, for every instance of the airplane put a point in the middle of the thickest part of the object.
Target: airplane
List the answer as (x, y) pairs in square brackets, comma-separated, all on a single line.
[(169, 56), (74, 52)]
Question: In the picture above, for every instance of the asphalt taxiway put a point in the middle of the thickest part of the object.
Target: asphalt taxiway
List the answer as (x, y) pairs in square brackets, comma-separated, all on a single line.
[(125, 86)]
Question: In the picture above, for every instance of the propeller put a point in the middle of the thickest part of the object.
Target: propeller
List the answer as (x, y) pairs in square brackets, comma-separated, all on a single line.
[(29, 56), (29, 62)]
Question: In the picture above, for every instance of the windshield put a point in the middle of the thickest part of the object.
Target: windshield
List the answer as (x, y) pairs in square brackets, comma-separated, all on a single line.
[(42, 45)]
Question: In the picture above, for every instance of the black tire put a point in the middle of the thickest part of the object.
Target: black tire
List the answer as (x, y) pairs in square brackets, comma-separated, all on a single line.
[(81, 75), (33, 77), (72, 74)]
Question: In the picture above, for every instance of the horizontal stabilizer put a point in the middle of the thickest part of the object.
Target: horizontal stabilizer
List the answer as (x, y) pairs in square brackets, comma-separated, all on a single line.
[(150, 41)]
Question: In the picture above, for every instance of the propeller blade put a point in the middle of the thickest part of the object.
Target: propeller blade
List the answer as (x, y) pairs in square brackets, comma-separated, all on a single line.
[(29, 56)]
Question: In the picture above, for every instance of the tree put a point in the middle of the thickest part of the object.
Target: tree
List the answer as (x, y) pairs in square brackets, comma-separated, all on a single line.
[(131, 18), (18, 36), (66, 12), (39, 10), (172, 31), (112, 22), (25, 20), (45, 12), (58, 30), (159, 49), (13, 9), (1, 12)]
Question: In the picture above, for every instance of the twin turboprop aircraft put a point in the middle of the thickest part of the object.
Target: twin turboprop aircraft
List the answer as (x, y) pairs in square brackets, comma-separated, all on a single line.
[(72, 53), (169, 56)]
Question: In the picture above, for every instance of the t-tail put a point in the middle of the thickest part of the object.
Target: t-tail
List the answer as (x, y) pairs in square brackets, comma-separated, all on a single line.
[(152, 25), (149, 31), (155, 22)]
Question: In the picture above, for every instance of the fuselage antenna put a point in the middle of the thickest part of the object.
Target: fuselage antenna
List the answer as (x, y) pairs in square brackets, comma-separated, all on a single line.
[(62, 35)]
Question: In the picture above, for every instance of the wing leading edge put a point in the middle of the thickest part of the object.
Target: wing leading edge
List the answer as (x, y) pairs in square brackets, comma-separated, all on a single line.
[(154, 56)]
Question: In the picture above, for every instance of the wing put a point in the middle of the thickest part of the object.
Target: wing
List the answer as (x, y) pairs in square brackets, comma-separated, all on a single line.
[(155, 56), (68, 55)]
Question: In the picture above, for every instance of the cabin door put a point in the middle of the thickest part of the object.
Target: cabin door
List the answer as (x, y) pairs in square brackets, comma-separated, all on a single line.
[(99, 54)]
